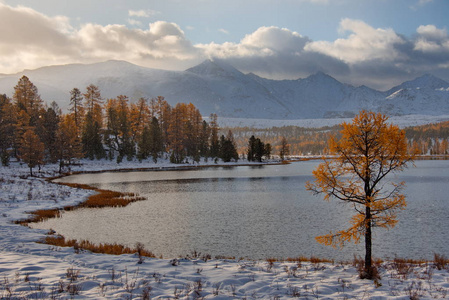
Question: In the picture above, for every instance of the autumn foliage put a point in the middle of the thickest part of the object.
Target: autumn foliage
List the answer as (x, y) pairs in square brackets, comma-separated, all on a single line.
[(97, 128), (368, 150)]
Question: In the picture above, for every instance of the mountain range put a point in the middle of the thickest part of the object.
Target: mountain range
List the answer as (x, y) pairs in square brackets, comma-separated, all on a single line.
[(217, 87)]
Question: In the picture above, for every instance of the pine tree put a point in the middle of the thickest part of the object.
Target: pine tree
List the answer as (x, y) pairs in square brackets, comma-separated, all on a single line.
[(251, 148), (91, 139), (259, 147), (227, 149), (267, 150)]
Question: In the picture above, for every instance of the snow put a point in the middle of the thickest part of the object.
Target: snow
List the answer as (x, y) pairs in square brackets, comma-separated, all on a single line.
[(217, 87), (30, 270), (401, 121)]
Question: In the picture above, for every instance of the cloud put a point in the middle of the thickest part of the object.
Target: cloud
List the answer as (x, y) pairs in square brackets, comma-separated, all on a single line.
[(29, 39), (377, 57), (134, 22), (431, 39), (364, 43), (274, 52), (162, 43), (223, 31), (143, 13)]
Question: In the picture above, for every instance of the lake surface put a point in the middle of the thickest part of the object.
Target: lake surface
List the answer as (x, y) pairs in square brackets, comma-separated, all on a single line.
[(255, 212)]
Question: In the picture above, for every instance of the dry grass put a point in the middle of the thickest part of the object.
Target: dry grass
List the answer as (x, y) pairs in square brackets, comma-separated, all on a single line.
[(440, 261), (103, 198), (312, 259), (115, 249)]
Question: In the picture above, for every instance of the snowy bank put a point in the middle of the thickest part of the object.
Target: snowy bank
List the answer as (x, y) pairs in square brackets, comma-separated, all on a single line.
[(30, 270)]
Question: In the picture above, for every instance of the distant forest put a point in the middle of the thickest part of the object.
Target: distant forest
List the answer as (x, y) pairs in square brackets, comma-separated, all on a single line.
[(94, 128), (429, 139)]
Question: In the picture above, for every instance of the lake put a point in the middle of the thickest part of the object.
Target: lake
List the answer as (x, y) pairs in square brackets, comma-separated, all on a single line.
[(255, 212)]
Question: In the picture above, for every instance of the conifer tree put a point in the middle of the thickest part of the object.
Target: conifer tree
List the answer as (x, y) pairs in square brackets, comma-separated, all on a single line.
[(157, 145), (214, 142), (176, 133), (26, 97), (267, 150), (31, 150), (7, 127), (91, 139), (227, 148), (285, 149), (77, 108), (68, 142), (144, 144), (369, 149), (50, 124), (204, 139), (259, 147), (250, 154), (91, 134)]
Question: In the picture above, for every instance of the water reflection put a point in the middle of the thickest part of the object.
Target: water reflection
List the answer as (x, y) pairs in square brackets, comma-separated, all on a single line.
[(255, 212)]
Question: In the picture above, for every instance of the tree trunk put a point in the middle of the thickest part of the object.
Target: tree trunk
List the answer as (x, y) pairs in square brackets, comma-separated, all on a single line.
[(368, 246)]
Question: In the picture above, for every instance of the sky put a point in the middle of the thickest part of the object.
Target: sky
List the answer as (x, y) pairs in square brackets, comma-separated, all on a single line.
[(378, 43)]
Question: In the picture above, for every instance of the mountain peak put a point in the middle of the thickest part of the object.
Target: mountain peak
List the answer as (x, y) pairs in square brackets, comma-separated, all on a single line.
[(321, 77), (214, 68), (425, 81)]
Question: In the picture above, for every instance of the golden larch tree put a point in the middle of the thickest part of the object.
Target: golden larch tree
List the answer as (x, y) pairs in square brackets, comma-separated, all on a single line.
[(31, 149), (369, 149)]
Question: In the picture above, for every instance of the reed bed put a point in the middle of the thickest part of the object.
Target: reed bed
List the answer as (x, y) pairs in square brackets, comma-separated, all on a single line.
[(114, 249), (103, 198)]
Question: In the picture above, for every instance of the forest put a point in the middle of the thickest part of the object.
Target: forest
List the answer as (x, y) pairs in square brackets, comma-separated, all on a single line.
[(37, 133), (431, 139), (116, 129)]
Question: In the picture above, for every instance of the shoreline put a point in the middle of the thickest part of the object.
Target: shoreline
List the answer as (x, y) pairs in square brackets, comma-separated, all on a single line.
[(107, 198), (31, 270)]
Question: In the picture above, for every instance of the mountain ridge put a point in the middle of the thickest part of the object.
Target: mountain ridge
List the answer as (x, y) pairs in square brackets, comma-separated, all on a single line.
[(215, 86)]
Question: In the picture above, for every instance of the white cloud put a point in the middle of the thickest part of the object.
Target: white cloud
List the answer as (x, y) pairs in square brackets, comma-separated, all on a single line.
[(29, 39), (365, 43), (431, 39), (432, 32), (367, 55), (223, 31), (143, 13), (265, 41), (134, 22)]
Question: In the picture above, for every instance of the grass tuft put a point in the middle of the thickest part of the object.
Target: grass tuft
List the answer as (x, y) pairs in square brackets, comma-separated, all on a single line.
[(115, 249)]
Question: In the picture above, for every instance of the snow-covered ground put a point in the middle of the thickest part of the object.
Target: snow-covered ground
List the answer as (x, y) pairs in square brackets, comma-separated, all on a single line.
[(29, 270), (401, 121)]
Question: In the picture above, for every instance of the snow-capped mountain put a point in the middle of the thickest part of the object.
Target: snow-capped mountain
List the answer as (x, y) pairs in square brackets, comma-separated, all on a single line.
[(217, 87)]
